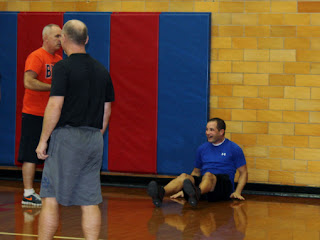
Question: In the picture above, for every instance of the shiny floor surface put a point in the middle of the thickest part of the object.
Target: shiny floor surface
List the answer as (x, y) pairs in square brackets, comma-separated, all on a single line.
[(128, 213)]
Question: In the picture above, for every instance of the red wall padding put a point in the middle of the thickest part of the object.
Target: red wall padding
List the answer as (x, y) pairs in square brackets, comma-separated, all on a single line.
[(30, 26), (134, 72)]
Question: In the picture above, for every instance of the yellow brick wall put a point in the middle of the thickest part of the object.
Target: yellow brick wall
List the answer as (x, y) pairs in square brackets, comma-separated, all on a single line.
[(265, 61)]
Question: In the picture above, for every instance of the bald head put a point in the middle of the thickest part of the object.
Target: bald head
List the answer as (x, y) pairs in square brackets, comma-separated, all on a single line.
[(76, 31)]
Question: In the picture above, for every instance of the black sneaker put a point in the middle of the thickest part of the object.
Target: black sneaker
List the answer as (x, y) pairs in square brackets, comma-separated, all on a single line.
[(156, 192), (192, 191), (34, 199)]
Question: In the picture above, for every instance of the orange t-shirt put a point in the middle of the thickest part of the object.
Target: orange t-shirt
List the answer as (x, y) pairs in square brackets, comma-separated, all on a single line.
[(41, 62)]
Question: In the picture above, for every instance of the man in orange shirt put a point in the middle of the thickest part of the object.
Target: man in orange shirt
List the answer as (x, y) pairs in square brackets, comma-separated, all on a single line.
[(37, 83)]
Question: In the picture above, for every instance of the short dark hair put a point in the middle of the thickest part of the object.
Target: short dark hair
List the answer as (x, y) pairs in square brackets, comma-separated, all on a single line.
[(77, 34), (220, 123)]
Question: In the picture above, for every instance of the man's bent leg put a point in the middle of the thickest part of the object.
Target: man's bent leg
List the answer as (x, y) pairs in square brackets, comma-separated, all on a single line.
[(208, 183), (91, 221), (49, 219)]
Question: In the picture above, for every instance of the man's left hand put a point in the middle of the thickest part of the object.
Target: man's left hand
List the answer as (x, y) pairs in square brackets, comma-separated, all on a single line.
[(42, 150), (237, 196)]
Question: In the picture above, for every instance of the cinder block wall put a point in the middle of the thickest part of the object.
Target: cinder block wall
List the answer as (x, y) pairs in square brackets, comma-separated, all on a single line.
[(265, 82)]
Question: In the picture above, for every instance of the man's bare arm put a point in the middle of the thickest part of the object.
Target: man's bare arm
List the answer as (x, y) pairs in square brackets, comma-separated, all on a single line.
[(243, 178), (106, 116), (31, 82)]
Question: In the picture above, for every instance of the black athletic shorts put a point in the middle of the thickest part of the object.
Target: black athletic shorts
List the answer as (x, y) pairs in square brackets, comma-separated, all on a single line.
[(30, 135), (222, 190)]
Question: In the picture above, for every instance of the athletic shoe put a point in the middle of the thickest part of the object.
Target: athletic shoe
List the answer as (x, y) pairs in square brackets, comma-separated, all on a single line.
[(192, 191), (156, 192), (33, 199)]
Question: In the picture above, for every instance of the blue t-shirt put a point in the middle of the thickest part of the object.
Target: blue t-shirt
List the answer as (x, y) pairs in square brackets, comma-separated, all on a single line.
[(222, 159)]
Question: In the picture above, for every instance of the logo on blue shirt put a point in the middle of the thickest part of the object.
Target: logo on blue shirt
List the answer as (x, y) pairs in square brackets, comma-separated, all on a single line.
[(223, 154)]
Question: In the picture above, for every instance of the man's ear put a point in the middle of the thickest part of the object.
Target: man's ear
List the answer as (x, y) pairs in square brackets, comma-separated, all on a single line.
[(87, 40)]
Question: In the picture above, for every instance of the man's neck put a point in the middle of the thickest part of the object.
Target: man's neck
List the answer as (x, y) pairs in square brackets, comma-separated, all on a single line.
[(219, 143)]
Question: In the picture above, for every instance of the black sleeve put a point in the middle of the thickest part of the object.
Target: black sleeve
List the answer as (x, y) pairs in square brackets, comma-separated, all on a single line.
[(59, 80), (109, 90)]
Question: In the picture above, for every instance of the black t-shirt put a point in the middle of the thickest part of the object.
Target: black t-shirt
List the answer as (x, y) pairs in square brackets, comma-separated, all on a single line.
[(86, 85)]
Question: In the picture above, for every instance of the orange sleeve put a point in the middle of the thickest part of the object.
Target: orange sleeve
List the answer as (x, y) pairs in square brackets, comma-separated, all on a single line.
[(34, 63)]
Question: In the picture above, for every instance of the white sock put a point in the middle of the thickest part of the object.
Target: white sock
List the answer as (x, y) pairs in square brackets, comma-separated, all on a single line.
[(28, 192)]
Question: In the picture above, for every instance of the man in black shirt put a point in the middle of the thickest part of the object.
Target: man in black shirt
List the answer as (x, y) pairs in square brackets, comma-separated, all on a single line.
[(76, 117)]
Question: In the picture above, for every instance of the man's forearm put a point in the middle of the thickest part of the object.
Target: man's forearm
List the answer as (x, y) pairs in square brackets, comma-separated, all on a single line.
[(241, 182)]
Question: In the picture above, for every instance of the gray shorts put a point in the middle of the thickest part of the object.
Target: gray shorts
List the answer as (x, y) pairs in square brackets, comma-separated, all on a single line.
[(71, 173)]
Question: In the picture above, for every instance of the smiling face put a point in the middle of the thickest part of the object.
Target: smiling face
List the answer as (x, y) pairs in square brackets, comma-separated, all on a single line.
[(214, 135)]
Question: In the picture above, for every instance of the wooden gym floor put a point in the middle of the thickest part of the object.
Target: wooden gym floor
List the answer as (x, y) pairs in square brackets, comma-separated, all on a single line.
[(128, 214)]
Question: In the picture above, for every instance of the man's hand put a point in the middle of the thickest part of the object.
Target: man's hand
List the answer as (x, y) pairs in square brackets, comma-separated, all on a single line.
[(177, 195), (237, 196), (42, 150)]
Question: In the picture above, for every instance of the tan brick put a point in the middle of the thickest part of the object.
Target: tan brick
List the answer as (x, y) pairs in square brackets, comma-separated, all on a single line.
[(231, 54), (243, 115), (206, 7), (281, 80), (230, 102), (281, 152), (245, 91), (244, 42), (308, 31), (296, 117), (255, 127), (314, 166), (256, 55), (231, 31), (314, 142), (268, 164), (270, 19), (270, 43), (221, 90), (269, 116), (18, 6), (309, 6), (310, 179), (3, 6), (256, 79), (308, 80), (255, 151), (315, 43), (307, 105), (295, 141), (232, 7), (282, 55), (86, 6), (41, 6), (308, 55), (271, 92), (281, 177), (283, 7), (244, 139), (255, 103), (294, 165), (214, 78), (234, 127), (297, 92), (270, 67), (215, 31), (244, 67), (244, 19), (220, 42), (283, 31), (230, 78), (281, 128), (221, 113), (221, 19), (258, 175), (112, 6), (307, 129), (315, 19), (213, 102), (257, 31), (220, 66), (250, 162), (296, 19), (296, 43), (173, 6), (297, 67), (257, 7), (269, 140), (314, 117), (214, 55), (281, 104), (315, 68)]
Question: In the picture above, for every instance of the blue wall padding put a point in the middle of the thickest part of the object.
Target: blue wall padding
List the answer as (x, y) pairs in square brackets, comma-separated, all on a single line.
[(183, 91), (8, 61), (134, 71), (98, 47)]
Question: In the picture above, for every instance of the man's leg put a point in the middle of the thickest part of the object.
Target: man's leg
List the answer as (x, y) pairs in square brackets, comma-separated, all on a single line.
[(28, 171), (49, 219), (208, 183), (91, 221)]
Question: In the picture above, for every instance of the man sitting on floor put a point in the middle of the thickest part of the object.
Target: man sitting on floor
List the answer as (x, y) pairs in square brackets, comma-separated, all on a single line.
[(213, 176)]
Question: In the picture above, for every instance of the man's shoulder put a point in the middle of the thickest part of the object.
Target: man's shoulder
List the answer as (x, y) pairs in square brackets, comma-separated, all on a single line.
[(204, 146), (232, 144)]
